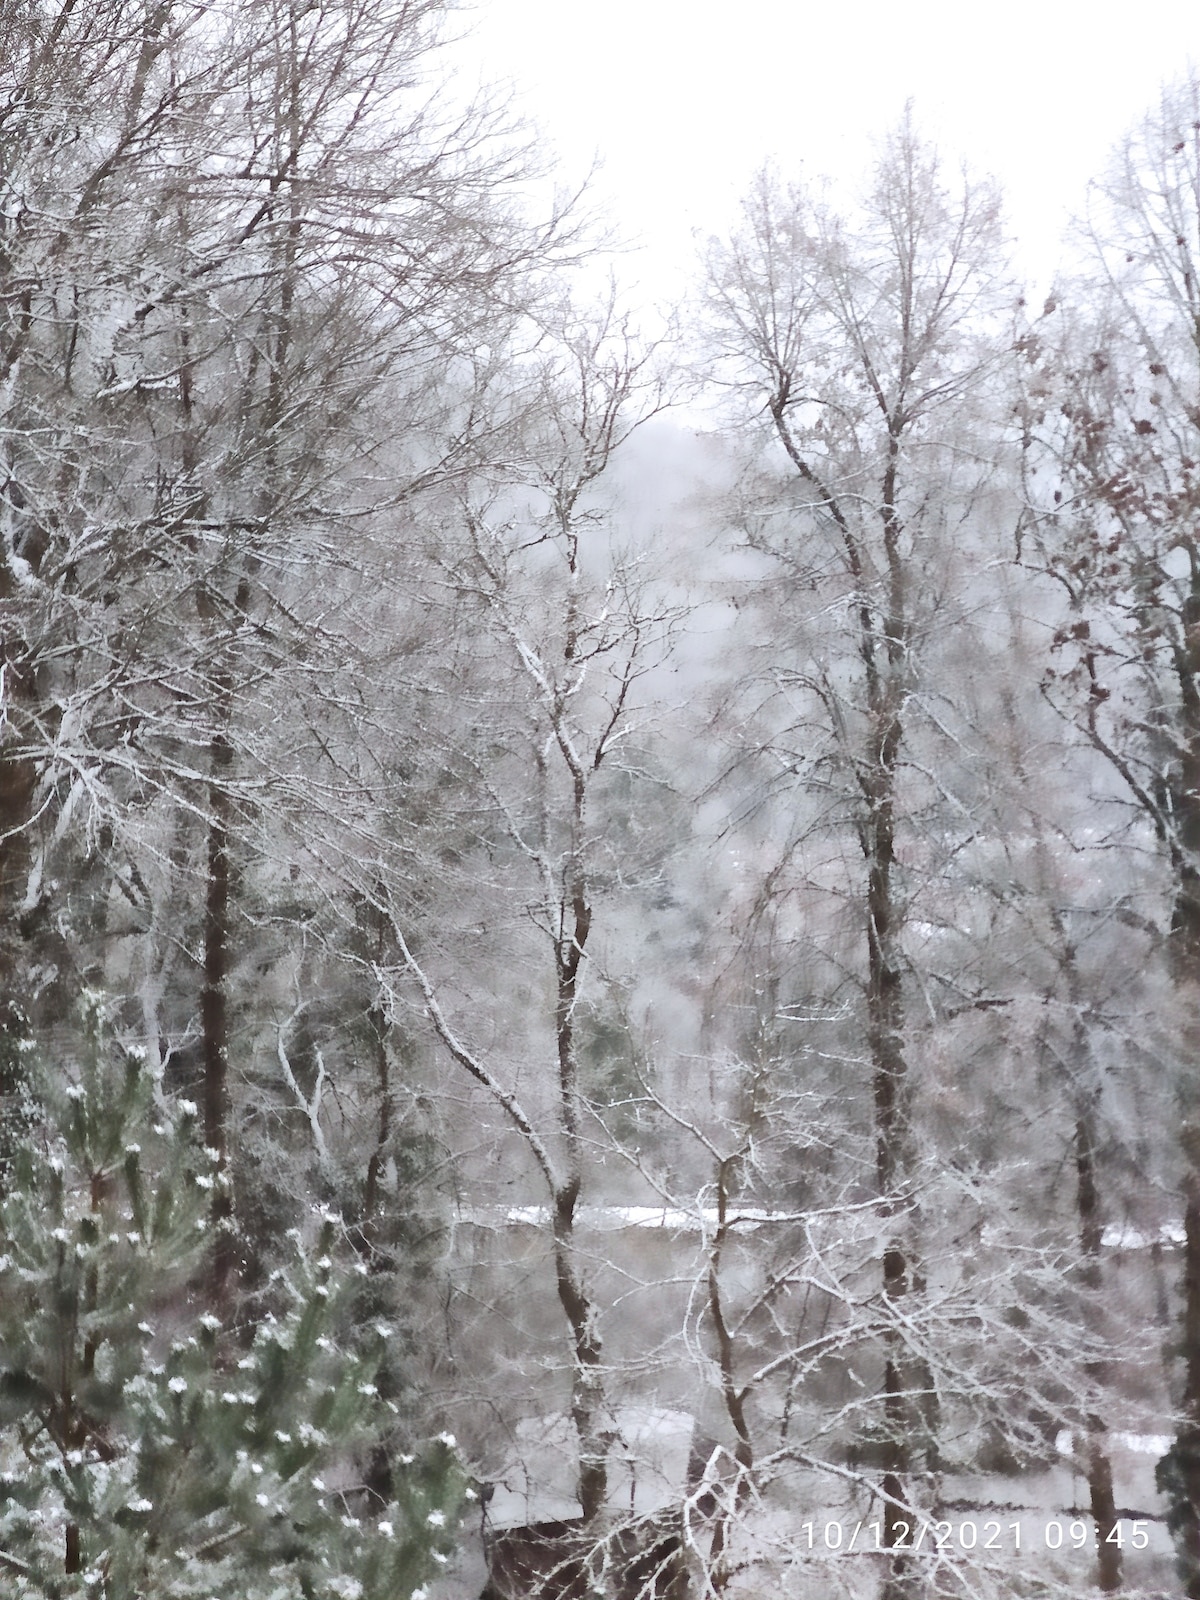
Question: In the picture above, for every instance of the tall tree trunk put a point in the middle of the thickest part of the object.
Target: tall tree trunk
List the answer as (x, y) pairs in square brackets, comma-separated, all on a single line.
[(18, 773), (587, 1387), (1082, 1091), (733, 1396), (1091, 1233), (379, 1027), (1179, 1473), (885, 1023), (587, 1393), (18, 782), (885, 651), (214, 1011), (18, 786)]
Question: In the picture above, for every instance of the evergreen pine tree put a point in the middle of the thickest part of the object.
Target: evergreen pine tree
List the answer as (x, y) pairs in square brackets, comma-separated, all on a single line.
[(146, 1448)]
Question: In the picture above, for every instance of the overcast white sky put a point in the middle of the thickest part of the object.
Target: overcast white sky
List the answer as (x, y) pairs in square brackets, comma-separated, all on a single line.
[(682, 102)]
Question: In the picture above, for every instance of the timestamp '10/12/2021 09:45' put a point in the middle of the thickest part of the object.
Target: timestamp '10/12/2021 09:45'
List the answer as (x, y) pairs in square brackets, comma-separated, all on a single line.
[(945, 1538)]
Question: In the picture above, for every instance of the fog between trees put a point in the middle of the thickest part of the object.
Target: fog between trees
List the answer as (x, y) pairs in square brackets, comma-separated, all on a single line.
[(625, 986)]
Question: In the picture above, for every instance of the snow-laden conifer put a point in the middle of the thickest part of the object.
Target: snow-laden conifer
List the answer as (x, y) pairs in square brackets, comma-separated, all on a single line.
[(147, 1447)]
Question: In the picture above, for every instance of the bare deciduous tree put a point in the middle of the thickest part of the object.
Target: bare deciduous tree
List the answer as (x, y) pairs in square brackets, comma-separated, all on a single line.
[(874, 347), (1111, 409), (569, 623)]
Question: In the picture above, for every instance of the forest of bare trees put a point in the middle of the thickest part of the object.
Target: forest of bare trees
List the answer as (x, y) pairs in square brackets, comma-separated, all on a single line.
[(599, 935)]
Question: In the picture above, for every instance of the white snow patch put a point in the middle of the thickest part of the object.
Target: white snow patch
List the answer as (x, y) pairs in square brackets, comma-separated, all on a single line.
[(1141, 1444), (1120, 1236)]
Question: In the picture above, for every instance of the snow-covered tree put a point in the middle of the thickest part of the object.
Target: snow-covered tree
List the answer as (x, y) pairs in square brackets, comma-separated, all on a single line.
[(872, 347), (1111, 390), (145, 1447)]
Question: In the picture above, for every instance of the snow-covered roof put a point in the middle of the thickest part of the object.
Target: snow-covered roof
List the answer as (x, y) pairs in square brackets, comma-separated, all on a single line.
[(609, 1219)]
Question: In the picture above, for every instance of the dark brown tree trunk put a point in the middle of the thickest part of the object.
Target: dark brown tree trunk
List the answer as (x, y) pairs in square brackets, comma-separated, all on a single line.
[(1184, 795), (586, 1387), (897, 1444), (1104, 1513), (378, 1024), (1185, 962), (885, 1021), (1185, 945), (214, 1017), (73, 1550), (1179, 1472), (18, 781), (570, 945), (1091, 1233), (18, 784), (734, 1397)]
